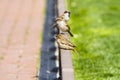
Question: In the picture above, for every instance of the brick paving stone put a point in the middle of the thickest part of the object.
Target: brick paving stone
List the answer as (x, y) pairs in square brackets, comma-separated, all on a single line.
[(21, 23)]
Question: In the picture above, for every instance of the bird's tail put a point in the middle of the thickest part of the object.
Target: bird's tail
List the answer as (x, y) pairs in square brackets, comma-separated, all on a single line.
[(70, 33), (77, 53)]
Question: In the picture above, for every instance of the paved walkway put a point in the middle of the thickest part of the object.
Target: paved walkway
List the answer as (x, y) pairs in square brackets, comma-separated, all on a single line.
[(21, 23)]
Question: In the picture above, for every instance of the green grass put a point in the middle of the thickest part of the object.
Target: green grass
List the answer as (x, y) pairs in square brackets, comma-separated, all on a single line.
[(96, 28)]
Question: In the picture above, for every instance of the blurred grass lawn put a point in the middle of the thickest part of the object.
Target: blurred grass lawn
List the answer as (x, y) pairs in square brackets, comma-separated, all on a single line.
[(96, 28)]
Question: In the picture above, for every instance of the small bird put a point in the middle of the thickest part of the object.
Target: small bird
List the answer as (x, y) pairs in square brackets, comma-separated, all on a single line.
[(63, 43), (62, 25)]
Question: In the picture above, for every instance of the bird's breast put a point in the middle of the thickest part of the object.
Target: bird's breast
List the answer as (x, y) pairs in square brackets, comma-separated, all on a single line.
[(62, 25)]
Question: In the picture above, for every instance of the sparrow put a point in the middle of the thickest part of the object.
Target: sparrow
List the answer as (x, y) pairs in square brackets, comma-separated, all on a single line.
[(62, 25), (63, 43), (61, 22)]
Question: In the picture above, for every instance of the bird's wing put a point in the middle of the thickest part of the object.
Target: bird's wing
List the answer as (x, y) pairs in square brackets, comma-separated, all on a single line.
[(67, 42)]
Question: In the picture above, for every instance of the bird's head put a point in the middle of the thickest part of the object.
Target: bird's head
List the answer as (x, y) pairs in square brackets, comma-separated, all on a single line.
[(66, 15), (67, 12)]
